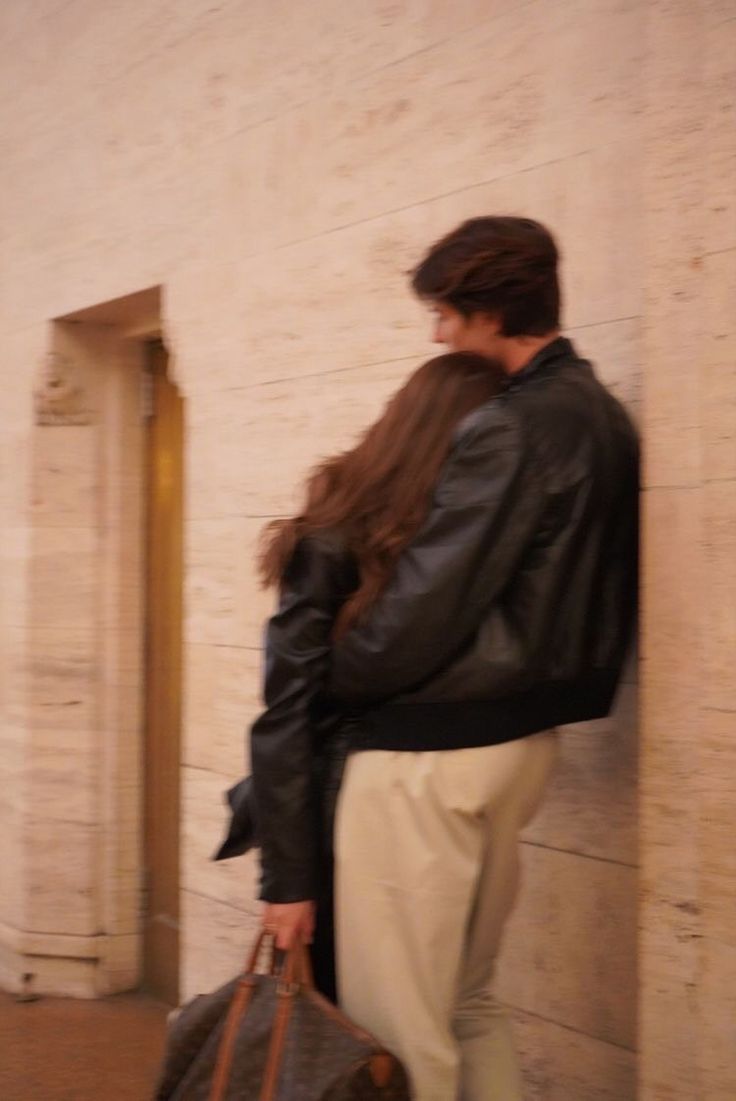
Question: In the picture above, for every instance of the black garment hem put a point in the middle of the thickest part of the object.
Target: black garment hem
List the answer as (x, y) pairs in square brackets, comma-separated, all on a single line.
[(419, 727)]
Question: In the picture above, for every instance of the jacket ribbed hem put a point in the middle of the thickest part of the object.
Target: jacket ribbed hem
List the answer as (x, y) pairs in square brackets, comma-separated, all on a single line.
[(418, 727)]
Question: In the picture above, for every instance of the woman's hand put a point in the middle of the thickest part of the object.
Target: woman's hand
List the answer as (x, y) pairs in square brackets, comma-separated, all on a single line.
[(291, 922)]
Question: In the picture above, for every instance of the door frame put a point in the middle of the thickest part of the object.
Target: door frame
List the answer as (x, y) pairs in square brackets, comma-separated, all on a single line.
[(163, 538)]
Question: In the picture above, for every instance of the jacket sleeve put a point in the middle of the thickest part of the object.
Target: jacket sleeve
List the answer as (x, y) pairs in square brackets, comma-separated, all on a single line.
[(487, 504), (297, 654)]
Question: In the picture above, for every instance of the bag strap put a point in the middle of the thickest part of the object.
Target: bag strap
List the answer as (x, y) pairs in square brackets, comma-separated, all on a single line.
[(297, 968), (252, 961), (226, 1050), (295, 973)]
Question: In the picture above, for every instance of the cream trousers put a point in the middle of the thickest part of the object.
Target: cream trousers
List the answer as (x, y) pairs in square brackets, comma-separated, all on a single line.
[(427, 869)]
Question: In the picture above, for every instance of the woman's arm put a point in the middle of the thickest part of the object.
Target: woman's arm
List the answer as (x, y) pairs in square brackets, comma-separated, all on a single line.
[(297, 662)]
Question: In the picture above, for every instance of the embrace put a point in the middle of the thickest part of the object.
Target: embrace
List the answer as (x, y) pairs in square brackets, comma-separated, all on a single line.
[(454, 587)]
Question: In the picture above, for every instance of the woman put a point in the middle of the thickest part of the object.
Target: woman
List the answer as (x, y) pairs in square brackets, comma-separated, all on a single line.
[(330, 563)]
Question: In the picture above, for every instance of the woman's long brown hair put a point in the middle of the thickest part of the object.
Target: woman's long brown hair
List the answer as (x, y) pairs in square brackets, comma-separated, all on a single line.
[(379, 492)]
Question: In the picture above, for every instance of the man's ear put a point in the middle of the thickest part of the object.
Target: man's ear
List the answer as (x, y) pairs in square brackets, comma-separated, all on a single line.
[(491, 322)]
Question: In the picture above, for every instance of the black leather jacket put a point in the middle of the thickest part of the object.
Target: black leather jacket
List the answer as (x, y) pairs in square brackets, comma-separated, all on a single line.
[(509, 613), (297, 745)]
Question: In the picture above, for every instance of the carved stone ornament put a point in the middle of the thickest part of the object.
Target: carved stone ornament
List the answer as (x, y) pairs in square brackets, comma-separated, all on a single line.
[(59, 396)]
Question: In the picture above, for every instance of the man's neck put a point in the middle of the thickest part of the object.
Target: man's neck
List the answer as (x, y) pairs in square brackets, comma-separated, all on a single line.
[(521, 350)]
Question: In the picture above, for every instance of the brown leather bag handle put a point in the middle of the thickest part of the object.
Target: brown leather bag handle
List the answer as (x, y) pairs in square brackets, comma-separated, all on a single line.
[(295, 972), (297, 968), (252, 961)]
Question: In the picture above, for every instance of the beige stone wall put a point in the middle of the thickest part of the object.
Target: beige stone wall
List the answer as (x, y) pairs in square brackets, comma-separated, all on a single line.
[(275, 167), (688, 778)]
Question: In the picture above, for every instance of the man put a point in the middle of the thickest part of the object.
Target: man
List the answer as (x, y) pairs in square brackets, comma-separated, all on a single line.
[(508, 616)]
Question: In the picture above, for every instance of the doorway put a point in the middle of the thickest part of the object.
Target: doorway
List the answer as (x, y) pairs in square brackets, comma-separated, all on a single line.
[(163, 674)]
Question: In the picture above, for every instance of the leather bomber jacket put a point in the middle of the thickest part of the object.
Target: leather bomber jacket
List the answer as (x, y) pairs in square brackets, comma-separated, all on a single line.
[(517, 597), (298, 743), (510, 612)]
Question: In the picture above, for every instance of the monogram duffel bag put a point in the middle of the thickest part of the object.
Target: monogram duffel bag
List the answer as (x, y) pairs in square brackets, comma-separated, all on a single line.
[(270, 1036)]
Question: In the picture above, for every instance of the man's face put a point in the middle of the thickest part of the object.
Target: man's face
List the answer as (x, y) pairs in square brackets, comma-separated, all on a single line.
[(477, 333)]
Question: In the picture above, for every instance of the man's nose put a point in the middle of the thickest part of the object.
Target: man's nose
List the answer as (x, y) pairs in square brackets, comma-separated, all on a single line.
[(437, 334)]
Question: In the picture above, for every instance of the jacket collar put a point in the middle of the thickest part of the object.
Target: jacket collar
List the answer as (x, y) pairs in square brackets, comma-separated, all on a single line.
[(559, 348)]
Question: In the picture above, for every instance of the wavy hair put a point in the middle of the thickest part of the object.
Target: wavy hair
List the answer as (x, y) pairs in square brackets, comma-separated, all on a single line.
[(379, 492)]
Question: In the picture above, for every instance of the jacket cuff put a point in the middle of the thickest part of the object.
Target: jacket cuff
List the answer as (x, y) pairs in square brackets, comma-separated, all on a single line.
[(289, 885), (271, 893)]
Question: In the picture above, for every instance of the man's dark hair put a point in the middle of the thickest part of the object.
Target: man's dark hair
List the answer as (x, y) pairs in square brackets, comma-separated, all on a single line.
[(503, 266)]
